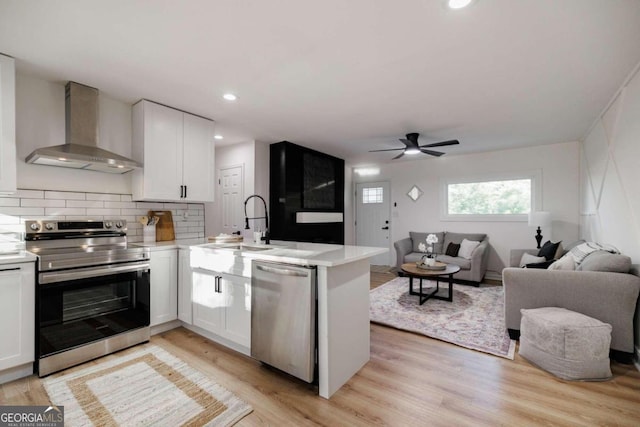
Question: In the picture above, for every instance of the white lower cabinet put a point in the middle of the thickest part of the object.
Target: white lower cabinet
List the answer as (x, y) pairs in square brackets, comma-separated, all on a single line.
[(17, 314), (222, 305), (185, 312), (164, 286)]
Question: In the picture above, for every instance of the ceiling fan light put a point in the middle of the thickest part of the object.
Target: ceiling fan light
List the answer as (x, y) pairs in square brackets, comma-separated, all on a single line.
[(458, 4), (411, 151)]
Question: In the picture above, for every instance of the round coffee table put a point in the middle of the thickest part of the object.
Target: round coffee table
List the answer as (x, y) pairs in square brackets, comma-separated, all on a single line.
[(412, 270)]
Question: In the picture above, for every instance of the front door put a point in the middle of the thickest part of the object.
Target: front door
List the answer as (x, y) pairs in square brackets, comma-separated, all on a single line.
[(372, 218)]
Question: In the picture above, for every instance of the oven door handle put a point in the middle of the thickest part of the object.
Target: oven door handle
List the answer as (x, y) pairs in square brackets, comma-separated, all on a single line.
[(87, 273)]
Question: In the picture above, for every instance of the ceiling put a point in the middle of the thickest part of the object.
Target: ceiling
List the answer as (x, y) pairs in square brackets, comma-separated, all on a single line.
[(344, 77)]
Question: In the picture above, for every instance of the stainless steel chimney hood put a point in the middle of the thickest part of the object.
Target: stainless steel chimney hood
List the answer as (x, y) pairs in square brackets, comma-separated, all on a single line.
[(81, 148)]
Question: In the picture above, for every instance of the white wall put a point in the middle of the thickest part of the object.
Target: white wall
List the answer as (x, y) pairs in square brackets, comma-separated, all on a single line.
[(349, 207), (610, 210), (40, 122), (610, 173), (254, 157), (559, 167)]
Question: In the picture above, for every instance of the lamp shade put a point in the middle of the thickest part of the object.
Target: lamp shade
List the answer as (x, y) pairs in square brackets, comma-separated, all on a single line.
[(539, 219)]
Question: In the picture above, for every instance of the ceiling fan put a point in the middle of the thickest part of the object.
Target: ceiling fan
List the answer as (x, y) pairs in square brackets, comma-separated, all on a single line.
[(412, 147)]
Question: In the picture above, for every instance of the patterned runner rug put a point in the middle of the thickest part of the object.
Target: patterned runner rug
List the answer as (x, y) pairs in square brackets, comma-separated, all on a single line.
[(475, 318), (145, 387)]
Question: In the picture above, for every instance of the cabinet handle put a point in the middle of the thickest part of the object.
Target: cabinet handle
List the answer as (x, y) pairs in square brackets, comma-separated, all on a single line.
[(181, 191), (9, 269), (217, 287), (185, 191)]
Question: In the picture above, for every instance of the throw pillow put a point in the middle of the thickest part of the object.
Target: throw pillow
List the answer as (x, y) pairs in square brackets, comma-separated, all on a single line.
[(605, 261), (453, 249), (548, 250), (467, 247), (564, 263), (543, 265), (530, 259), (580, 252), (560, 252)]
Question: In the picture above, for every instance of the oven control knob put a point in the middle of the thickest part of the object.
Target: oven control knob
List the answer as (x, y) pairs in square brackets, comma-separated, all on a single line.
[(108, 225), (34, 226), (49, 226), (119, 224)]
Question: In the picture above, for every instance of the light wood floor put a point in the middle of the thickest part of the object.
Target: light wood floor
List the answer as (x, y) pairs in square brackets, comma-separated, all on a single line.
[(410, 380)]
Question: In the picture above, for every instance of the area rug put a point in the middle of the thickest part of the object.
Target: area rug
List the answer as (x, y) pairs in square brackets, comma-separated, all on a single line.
[(146, 387), (474, 320)]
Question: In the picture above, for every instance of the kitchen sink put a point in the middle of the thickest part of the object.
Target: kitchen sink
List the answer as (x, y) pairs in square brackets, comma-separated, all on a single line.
[(255, 247), (240, 247)]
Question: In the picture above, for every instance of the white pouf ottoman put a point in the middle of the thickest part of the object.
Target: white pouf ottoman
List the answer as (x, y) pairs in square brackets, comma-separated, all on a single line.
[(570, 345)]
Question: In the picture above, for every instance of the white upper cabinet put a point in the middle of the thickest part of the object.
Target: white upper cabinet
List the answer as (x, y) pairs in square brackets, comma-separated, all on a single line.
[(198, 158), (177, 152), (7, 125)]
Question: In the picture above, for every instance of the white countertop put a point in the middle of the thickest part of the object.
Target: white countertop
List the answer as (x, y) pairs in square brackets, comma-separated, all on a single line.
[(22, 256), (170, 244), (297, 252)]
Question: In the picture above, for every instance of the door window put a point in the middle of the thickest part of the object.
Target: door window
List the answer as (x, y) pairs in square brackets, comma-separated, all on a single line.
[(372, 195)]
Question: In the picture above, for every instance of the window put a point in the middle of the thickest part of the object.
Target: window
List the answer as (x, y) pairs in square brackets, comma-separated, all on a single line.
[(372, 195), (490, 198)]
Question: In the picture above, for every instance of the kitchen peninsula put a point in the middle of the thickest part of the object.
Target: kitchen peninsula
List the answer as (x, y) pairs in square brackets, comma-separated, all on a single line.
[(342, 299)]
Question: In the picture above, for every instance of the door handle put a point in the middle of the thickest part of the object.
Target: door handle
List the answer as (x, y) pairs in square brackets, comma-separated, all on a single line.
[(385, 228)]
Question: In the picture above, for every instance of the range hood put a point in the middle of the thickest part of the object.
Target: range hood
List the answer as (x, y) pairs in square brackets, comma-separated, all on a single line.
[(81, 149)]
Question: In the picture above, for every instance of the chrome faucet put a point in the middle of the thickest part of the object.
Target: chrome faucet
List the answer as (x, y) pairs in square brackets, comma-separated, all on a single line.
[(265, 217)]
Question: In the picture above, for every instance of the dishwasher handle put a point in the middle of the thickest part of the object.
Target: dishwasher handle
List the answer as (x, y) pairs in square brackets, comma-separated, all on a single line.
[(282, 271)]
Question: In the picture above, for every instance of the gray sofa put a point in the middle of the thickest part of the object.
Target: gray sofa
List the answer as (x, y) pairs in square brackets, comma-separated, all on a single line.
[(610, 297), (471, 270)]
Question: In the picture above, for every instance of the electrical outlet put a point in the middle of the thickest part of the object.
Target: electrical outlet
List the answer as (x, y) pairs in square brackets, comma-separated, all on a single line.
[(185, 216)]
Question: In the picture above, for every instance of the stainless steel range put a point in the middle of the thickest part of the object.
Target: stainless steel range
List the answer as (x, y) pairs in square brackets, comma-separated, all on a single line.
[(92, 291)]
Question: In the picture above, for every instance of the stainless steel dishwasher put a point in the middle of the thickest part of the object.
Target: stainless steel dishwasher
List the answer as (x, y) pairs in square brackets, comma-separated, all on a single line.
[(283, 317)]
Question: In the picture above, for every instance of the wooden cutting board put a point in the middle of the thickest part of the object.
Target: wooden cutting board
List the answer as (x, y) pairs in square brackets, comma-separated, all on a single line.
[(164, 227)]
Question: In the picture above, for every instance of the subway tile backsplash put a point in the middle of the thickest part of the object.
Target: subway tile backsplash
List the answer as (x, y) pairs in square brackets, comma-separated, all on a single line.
[(188, 218)]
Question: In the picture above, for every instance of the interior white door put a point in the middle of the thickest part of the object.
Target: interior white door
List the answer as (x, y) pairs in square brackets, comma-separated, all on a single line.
[(372, 218), (231, 189)]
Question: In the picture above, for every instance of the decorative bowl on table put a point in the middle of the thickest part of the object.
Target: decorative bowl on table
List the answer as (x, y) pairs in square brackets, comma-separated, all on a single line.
[(436, 266)]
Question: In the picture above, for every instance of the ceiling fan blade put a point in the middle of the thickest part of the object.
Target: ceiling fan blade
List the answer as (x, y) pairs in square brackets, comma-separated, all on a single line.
[(442, 143), (388, 149), (431, 152), (398, 156)]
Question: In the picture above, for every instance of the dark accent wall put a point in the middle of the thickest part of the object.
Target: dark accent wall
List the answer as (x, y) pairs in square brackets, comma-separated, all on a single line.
[(304, 180)]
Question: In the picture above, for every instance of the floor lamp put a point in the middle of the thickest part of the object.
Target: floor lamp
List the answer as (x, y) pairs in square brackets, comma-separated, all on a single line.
[(539, 219)]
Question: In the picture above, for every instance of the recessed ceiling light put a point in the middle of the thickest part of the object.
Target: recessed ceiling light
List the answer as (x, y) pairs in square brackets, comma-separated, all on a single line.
[(229, 97), (458, 4), (218, 137)]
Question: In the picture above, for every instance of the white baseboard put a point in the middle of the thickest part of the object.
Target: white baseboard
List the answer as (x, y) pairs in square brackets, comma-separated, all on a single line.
[(164, 327), (220, 340), (11, 374)]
